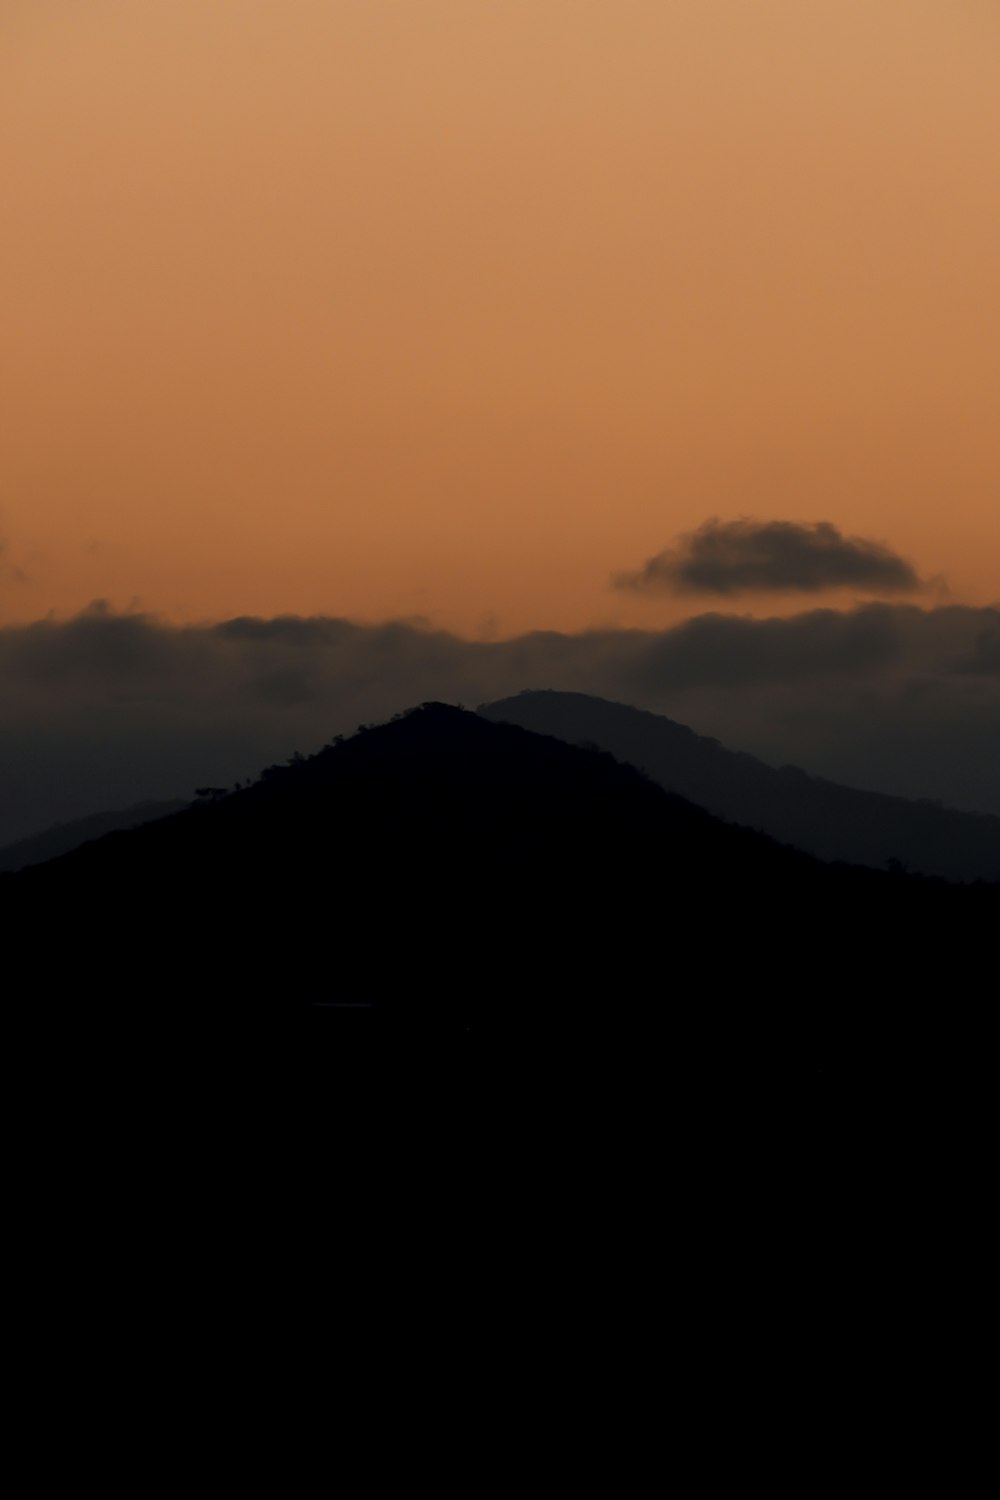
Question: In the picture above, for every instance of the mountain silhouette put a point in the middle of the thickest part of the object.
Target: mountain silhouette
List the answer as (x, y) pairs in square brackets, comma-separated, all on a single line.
[(831, 821), (63, 837), (447, 869)]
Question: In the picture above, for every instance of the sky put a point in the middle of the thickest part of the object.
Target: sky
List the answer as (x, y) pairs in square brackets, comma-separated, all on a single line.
[(461, 309), (642, 347)]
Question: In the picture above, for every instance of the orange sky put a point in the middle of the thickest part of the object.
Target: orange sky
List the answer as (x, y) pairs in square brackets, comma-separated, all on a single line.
[(454, 307)]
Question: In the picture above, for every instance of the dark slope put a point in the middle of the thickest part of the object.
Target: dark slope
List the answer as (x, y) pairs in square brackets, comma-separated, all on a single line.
[(443, 866), (831, 821), (64, 837)]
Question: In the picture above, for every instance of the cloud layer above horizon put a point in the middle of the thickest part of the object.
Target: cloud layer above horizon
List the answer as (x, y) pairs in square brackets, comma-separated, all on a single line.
[(749, 556), (106, 708)]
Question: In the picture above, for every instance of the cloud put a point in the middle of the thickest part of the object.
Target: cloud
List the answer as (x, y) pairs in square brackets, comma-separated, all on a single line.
[(749, 556), (9, 571), (111, 708)]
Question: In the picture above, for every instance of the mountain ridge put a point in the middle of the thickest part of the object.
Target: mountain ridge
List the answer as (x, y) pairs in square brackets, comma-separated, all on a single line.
[(446, 866), (61, 838), (823, 817)]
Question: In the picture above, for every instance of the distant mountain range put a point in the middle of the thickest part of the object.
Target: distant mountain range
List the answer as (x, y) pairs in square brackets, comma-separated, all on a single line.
[(447, 867), (66, 836), (821, 817)]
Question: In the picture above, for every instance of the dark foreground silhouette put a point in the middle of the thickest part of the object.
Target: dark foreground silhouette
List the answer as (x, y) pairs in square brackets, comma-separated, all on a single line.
[(831, 821), (446, 875), (603, 1058)]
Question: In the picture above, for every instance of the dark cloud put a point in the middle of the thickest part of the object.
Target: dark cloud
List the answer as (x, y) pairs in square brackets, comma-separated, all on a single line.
[(9, 571), (748, 556), (108, 708), (726, 651)]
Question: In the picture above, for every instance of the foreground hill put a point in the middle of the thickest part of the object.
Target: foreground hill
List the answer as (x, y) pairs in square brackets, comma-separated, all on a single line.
[(831, 821), (444, 866), (63, 837)]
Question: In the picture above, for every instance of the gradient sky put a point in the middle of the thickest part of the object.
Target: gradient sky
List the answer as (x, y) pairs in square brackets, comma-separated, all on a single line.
[(453, 308)]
